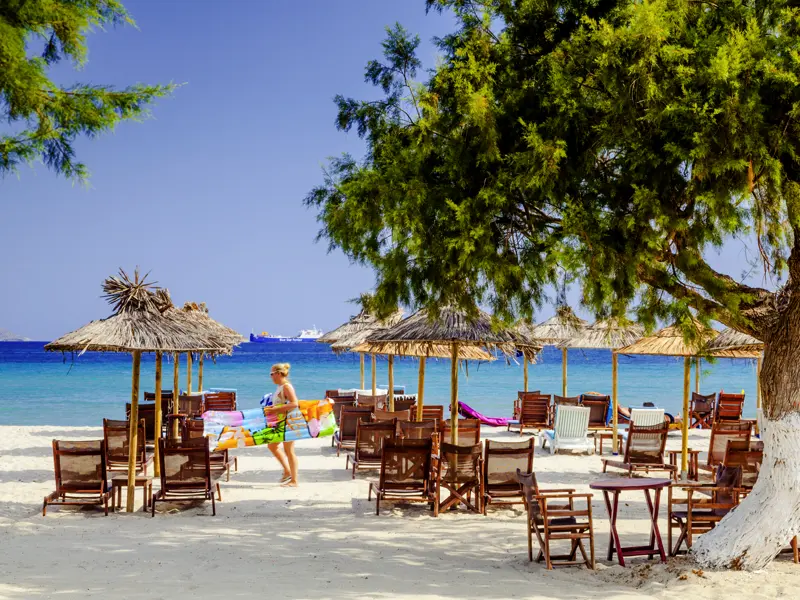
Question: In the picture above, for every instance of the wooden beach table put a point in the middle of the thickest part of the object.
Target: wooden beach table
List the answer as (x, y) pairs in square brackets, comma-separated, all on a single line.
[(121, 481), (615, 487), (694, 469)]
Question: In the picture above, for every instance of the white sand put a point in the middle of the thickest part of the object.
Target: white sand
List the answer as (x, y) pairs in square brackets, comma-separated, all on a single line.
[(321, 540)]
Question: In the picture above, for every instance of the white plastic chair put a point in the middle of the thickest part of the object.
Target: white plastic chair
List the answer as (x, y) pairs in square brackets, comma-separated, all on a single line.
[(570, 432)]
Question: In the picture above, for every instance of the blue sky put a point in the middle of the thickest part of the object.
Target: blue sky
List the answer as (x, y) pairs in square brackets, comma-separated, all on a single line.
[(208, 193)]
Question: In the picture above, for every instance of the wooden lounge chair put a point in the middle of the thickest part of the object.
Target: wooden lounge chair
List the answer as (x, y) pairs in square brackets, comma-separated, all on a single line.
[(746, 455), (433, 411), (405, 474), (554, 516), (702, 507), (729, 407), (375, 402), (116, 435), (80, 473), (469, 432), (644, 450), (501, 461), (534, 412), (345, 437), (221, 461), (338, 405), (334, 394), (570, 432), (186, 474), (721, 434), (387, 415), (147, 413), (166, 404), (370, 438), (418, 430), (518, 403), (701, 411), (599, 406), (459, 471), (189, 406), (224, 401), (406, 402)]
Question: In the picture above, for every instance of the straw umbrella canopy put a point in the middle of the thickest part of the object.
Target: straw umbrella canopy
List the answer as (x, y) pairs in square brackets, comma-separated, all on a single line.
[(139, 324), (735, 344), (424, 333), (670, 341)]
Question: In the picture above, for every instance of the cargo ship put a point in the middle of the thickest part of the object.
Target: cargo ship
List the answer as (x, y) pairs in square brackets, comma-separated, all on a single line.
[(305, 335)]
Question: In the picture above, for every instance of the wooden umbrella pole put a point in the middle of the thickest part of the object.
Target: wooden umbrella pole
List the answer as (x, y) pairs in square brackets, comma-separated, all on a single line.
[(159, 412), (200, 373), (391, 382), (374, 380), (564, 372), (614, 402), (420, 388), (524, 372), (454, 394), (361, 360), (697, 375), (189, 359), (687, 381), (133, 430), (175, 392)]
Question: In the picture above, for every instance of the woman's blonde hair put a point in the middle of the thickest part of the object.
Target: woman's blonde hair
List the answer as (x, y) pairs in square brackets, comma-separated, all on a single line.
[(282, 368)]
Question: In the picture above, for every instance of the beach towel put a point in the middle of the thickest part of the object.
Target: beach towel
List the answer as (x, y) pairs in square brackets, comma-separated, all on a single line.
[(238, 429), (465, 410)]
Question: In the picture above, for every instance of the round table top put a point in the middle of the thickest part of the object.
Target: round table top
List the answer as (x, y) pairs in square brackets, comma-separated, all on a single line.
[(633, 483)]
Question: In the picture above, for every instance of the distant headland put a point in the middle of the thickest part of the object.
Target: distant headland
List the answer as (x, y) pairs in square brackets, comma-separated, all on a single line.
[(8, 336)]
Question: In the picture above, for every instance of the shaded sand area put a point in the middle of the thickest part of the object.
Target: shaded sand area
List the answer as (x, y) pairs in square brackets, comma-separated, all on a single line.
[(321, 540)]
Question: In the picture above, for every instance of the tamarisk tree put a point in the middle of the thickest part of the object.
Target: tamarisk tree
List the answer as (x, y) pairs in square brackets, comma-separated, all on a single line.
[(43, 118), (622, 141)]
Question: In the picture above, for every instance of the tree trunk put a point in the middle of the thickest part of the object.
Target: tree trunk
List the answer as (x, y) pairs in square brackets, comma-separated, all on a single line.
[(752, 535)]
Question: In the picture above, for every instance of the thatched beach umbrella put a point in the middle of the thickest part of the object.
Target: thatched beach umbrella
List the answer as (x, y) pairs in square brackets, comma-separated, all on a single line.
[(670, 342), (735, 344), (422, 333), (564, 325), (139, 324)]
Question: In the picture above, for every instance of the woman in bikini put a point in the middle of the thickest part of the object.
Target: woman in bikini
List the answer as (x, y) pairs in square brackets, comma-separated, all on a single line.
[(284, 400)]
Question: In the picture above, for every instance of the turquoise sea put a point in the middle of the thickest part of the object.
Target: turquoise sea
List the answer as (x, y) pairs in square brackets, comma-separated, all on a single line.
[(37, 387)]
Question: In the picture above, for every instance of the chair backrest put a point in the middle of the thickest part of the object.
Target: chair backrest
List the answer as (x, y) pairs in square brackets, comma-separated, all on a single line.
[(116, 438), (469, 432), (502, 460), (572, 422), (339, 404), (376, 402), (598, 404), (185, 468), (191, 405), (370, 438), (647, 416), (521, 395), (147, 413), (432, 411), (349, 421), (702, 405), (460, 463), (646, 443), (723, 433), (80, 466), (406, 465), (743, 454), (225, 401), (405, 403), (534, 409), (192, 428), (388, 415), (729, 406), (418, 430), (566, 400)]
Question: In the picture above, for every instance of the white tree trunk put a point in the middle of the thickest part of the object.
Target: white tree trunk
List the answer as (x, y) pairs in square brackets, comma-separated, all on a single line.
[(751, 535)]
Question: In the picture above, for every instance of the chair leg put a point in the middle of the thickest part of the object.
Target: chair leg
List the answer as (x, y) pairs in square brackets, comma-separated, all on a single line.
[(236, 463), (219, 492), (378, 503), (213, 504)]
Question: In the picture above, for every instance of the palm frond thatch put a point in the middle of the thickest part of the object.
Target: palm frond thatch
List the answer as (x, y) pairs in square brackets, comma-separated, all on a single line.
[(606, 333), (424, 350), (564, 325), (128, 295), (199, 314), (730, 339), (357, 329), (671, 341)]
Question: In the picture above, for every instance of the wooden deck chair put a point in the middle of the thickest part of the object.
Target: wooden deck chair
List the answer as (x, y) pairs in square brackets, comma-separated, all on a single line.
[(147, 413), (748, 456), (701, 410), (224, 401), (702, 507), (375, 402), (338, 405), (405, 402), (417, 430), (221, 461), (80, 474), (570, 432), (433, 411), (166, 404), (729, 407), (370, 438), (116, 435), (190, 405), (722, 433), (599, 405), (459, 471), (534, 412), (469, 432), (501, 461), (387, 415), (345, 436), (186, 474), (405, 474), (554, 516), (336, 394), (518, 403), (644, 450), (566, 400)]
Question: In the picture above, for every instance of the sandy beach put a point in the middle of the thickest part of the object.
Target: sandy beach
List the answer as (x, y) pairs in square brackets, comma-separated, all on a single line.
[(321, 540)]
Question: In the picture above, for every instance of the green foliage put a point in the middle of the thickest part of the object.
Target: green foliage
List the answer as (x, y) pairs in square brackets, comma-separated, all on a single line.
[(44, 118), (617, 140)]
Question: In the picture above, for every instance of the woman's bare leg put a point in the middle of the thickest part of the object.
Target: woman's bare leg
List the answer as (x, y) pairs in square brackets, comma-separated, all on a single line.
[(288, 448), (278, 453)]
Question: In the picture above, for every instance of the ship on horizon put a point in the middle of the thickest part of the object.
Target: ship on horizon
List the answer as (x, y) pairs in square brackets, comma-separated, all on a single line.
[(305, 335)]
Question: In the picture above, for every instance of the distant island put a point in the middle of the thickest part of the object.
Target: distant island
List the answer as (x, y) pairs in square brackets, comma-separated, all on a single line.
[(7, 336)]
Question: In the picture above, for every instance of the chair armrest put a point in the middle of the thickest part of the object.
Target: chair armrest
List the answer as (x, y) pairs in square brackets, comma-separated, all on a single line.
[(560, 491), (556, 496)]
